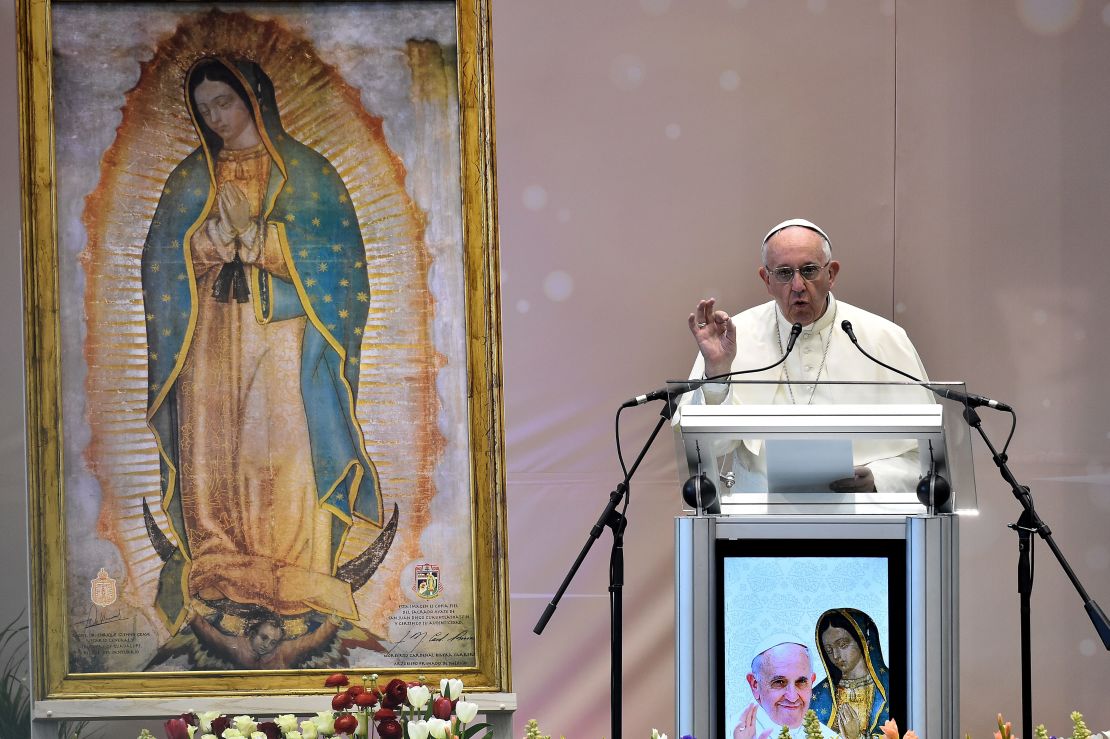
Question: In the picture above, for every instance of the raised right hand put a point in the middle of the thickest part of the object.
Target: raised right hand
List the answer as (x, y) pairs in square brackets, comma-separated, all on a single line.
[(746, 728), (716, 337)]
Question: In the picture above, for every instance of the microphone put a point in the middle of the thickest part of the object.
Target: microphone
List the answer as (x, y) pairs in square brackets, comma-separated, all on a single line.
[(675, 389), (969, 399), (795, 332)]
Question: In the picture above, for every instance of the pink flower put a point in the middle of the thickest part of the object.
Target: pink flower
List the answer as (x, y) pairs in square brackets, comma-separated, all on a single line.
[(910, 735), (177, 728), (890, 729)]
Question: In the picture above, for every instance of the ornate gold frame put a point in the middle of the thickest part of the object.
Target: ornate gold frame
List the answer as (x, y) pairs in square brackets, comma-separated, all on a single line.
[(46, 464)]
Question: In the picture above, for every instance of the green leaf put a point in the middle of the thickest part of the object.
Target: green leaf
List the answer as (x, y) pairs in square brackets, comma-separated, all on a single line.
[(472, 730)]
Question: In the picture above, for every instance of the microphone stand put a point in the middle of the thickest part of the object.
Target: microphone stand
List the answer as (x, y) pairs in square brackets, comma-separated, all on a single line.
[(616, 520), (1030, 523)]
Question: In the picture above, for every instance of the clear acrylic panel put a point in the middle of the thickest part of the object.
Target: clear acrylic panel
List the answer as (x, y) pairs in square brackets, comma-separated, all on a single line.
[(843, 447)]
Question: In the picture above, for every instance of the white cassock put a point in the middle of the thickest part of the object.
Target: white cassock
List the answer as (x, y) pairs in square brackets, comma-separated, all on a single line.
[(823, 352), (764, 723)]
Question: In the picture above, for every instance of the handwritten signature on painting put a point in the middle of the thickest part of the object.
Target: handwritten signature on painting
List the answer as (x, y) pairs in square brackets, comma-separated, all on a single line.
[(414, 638)]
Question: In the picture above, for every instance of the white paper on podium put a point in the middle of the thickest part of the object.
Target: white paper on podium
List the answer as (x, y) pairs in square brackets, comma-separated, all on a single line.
[(807, 465)]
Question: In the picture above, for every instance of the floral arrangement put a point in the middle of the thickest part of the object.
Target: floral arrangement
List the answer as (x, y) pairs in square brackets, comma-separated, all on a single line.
[(404, 710), (890, 730), (400, 710)]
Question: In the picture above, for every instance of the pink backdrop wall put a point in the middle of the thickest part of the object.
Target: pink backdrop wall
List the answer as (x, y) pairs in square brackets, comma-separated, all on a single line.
[(956, 152)]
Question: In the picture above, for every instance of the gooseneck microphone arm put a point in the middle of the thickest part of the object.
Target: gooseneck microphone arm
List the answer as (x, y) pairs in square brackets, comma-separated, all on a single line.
[(1028, 524), (674, 389), (968, 399)]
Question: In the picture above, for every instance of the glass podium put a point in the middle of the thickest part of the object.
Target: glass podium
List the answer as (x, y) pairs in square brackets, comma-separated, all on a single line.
[(782, 458)]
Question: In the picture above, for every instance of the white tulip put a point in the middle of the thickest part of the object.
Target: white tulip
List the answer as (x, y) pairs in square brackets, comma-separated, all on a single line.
[(466, 711), (451, 688), (437, 727), (418, 729), (418, 696)]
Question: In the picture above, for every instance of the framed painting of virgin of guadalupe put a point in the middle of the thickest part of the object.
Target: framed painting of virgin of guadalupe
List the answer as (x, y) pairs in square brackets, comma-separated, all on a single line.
[(263, 346)]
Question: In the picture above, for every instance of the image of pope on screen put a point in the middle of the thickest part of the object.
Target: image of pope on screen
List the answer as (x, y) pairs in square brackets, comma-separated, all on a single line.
[(807, 633)]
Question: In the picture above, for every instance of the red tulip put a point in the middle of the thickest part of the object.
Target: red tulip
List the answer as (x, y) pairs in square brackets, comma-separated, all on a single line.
[(346, 724), (341, 701), (389, 729), (336, 680), (442, 708)]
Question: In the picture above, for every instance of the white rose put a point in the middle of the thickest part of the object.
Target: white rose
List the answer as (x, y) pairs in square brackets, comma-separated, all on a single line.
[(233, 733), (286, 722), (294, 734), (258, 735), (245, 724), (205, 720), (309, 730), (325, 722)]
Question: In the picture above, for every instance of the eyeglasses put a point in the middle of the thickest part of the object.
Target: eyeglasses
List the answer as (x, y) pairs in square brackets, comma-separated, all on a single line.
[(785, 275)]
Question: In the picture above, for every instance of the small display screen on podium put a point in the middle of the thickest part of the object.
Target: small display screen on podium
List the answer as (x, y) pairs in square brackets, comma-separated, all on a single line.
[(842, 599)]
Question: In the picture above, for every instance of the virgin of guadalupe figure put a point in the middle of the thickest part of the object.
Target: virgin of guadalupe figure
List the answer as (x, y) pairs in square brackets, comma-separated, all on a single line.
[(256, 294), (852, 699)]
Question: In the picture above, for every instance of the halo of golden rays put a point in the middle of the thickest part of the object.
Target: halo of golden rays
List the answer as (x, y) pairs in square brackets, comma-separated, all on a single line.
[(321, 110)]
